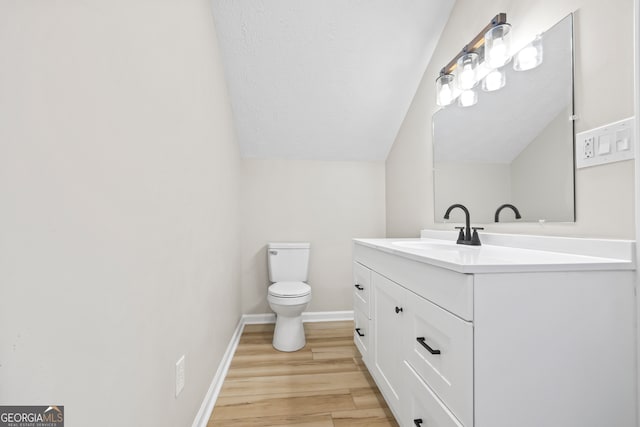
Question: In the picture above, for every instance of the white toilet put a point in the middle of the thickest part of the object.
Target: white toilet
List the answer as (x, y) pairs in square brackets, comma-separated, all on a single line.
[(289, 295)]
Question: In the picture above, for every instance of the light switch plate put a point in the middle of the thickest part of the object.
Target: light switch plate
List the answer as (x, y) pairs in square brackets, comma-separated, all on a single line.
[(607, 144)]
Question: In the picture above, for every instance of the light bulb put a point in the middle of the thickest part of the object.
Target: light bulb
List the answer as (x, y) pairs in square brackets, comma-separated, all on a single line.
[(468, 98), (495, 80), (530, 56), (445, 92), (498, 52), (446, 95), (467, 66), (467, 76), (497, 44)]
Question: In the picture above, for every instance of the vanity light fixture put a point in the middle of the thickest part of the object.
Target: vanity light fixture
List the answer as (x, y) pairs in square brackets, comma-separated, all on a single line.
[(478, 60), (467, 64)]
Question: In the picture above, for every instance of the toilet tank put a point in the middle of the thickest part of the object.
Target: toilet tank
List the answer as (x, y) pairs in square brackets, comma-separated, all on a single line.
[(288, 262)]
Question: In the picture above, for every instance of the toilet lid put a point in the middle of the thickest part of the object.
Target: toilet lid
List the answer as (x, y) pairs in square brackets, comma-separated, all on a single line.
[(289, 289)]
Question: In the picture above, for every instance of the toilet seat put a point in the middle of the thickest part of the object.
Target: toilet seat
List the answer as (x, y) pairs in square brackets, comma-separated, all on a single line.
[(289, 289)]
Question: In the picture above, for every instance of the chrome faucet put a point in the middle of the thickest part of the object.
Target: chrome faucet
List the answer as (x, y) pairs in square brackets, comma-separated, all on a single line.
[(510, 206), (465, 237)]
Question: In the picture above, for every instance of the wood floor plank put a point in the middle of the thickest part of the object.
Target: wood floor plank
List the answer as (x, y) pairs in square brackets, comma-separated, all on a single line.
[(299, 383), (255, 398), (290, 421), (293, 367), (367, 398), (334, 353), (316, 343), (364, 417), (258, 328), (284, 357), (325, 384), (286, 406)]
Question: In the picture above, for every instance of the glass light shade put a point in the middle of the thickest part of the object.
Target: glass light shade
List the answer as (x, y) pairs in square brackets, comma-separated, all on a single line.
[(445, 90), (495, 80), (497, 45), (468, 98), (529, 57), (467, 68)]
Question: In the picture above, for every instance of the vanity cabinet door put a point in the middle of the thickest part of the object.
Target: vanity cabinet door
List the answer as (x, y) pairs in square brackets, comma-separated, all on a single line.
[(388, 319)]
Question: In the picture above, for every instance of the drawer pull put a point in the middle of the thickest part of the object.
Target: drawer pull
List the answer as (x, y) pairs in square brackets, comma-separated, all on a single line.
[(358, 287), (359, 333), (418, 422), (398, 310), (425, 345)]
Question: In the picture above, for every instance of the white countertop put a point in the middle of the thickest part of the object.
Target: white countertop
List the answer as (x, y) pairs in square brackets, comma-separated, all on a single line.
[(550, 253)]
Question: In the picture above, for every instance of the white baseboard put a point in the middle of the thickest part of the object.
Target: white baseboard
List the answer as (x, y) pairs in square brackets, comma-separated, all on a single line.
[(307, 316), (202, 417), (327, 316), (251, 319)]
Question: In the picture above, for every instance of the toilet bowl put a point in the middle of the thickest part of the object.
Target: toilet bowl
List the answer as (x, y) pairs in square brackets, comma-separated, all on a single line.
[(288, 300)]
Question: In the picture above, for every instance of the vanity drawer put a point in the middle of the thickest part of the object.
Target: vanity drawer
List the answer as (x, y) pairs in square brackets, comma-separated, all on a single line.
[(424, 408), (361, 288), (448, 289), (362, 335), (441, 352)]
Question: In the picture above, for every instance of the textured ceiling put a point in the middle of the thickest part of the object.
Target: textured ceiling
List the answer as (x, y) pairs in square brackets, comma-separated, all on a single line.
[(324, 79)]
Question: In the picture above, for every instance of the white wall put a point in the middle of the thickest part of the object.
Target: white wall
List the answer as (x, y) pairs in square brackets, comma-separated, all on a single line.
[(118, 184), (544, 193), (322, 202), (604, 194), (493, 178)]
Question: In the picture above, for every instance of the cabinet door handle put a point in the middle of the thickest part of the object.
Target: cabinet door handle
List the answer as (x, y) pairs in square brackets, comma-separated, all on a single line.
[(418, 422), (359, 333), (358, 287), (398, 309), (425, 345)]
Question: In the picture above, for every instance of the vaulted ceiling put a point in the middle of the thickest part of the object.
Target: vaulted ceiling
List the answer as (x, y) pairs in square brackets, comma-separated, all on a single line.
[(324, 79)]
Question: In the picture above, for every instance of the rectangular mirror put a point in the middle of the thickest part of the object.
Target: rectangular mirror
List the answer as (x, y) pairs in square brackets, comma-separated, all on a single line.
[(515, 146)]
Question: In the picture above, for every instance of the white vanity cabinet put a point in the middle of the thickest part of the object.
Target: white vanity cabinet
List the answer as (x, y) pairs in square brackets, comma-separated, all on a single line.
[(498, 348)]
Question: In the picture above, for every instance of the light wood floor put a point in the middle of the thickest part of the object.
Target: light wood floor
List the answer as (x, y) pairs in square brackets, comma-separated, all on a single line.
[(325, 384)]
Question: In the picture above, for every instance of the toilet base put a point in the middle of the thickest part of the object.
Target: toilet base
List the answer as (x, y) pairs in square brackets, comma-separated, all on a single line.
[(289, 333)]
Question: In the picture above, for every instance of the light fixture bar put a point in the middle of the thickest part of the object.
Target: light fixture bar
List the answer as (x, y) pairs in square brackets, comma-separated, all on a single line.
[(475, 44)]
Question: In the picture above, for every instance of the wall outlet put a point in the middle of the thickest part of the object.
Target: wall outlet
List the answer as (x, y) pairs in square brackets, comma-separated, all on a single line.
[(179, 375), (588, 148)]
